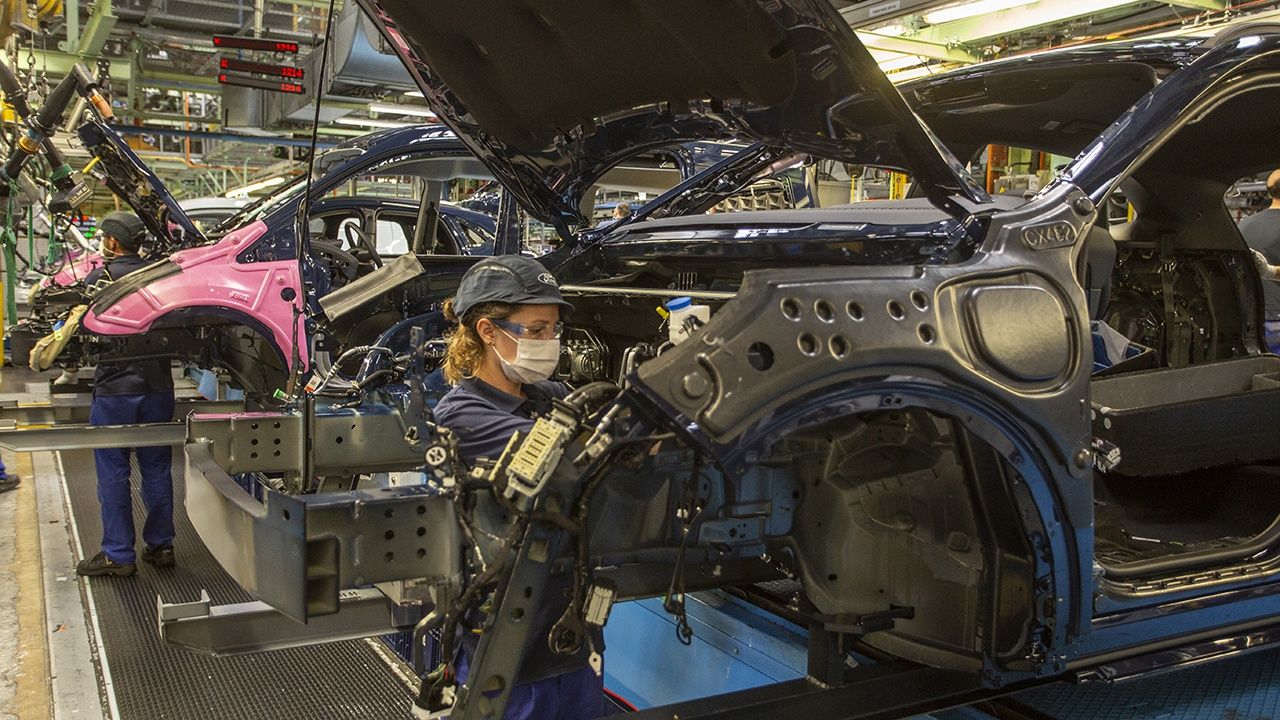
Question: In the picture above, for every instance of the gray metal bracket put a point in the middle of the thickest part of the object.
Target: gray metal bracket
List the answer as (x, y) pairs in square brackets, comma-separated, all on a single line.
[(506, 631), (296, 553), (240, 628)]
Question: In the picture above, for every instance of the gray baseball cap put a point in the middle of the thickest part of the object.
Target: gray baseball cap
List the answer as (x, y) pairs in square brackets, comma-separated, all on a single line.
[(514, 279)]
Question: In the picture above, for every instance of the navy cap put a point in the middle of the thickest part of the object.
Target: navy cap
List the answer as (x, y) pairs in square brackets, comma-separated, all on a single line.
[(125, 227), (514, 279)]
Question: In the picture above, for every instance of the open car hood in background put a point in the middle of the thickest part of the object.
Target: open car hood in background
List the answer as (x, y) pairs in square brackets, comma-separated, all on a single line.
[(130, 178), (1056, 101), (552, 94)]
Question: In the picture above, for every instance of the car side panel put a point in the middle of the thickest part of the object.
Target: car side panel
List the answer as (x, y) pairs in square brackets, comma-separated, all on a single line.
[(269, 292)]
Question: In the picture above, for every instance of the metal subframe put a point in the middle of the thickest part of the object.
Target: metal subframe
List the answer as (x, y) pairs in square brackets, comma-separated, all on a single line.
[(152, 678)]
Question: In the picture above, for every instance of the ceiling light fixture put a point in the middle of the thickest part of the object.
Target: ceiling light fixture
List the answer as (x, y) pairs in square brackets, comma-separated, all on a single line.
[(416, 111), (911, 74), (892, 29), (245, 190), (900, 63), (372, 122), (414, 93), (973, 9)]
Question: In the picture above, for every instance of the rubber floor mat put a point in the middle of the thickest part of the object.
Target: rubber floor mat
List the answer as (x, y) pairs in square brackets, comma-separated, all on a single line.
[(153, 681)]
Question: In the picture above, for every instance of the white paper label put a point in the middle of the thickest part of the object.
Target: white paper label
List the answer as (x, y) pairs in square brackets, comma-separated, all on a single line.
[(884, 8)]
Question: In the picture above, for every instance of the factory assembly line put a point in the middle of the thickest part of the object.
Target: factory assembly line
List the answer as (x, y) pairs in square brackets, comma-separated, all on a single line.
[(951, 452)]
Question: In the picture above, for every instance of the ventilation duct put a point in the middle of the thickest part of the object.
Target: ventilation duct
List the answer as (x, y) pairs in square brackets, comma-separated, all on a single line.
[(361, 66)]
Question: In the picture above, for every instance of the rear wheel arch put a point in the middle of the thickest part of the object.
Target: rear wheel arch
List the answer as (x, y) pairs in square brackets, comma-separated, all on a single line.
[(977, 544)]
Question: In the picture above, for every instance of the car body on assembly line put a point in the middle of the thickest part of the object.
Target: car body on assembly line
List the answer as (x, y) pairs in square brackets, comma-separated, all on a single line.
[(248, 295), (893, 403), (251, 259)]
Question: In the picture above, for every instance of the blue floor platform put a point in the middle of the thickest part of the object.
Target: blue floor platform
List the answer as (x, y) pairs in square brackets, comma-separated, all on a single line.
[(1240, 688), (737, 646)]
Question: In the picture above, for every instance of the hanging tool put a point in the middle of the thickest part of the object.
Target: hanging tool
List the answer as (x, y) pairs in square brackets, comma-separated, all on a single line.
[(70, 189)]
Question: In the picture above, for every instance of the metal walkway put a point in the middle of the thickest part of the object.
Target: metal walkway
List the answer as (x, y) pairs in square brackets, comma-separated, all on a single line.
[(145, 679)]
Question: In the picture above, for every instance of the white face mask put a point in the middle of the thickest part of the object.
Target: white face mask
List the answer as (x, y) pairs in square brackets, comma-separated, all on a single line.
[(535, 359)]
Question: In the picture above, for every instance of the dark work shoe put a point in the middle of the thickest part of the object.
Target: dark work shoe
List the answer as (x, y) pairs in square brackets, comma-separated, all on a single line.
[(9, 482), (161, 557), (100, 564)]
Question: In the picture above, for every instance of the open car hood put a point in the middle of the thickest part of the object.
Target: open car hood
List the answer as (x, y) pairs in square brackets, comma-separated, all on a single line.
[(551, 95), (130, 178)]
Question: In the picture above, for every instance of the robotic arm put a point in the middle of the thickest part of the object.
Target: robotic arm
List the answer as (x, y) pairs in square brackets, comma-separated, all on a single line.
[(71, 190)]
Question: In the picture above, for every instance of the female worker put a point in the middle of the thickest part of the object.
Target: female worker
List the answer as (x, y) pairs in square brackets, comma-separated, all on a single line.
[(501, 355)]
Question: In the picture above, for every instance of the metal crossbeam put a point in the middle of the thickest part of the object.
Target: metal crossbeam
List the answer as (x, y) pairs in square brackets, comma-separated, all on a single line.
[(1004, 22), (73, 408), (1211, 5), (913, 46), (87, 437)]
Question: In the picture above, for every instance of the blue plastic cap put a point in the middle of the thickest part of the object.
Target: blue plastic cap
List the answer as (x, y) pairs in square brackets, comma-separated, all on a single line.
[(679, 303)]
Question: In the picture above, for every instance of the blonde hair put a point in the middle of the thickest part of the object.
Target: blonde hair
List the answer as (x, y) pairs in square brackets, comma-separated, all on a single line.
[(465, 351)]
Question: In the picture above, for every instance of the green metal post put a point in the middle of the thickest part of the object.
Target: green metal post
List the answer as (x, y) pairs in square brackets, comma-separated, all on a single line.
[(31, 234), (10, 266), (55, 242)]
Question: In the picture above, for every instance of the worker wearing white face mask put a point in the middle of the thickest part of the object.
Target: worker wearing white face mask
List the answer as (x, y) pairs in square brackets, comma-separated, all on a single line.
[(504, 349)]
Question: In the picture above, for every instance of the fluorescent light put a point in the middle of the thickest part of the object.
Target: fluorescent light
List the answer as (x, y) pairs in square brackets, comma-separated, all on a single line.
[(900, 63), (893, 29), (911, 74), (973, 9), (372, 122), (414, 93), (244, 190), (414, 110)]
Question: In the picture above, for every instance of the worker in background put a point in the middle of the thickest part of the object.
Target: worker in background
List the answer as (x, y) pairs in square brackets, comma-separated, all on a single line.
[(621, 212), (139, 391), (7, 482), (1262, 232), (500, 357)]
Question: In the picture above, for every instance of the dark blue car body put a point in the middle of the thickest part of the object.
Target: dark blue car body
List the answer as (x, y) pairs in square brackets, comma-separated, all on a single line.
[(892, 404)]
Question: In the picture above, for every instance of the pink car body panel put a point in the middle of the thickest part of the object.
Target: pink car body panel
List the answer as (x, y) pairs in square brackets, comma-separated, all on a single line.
[(76, 266), (211, 278)]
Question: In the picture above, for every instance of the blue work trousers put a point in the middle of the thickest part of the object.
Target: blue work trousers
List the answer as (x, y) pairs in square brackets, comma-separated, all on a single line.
[(154, 463), (1271, 332), (575, 695)]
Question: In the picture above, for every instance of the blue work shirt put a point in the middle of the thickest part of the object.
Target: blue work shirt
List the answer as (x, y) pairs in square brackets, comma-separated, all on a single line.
[(139, 377), (484, 418)]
